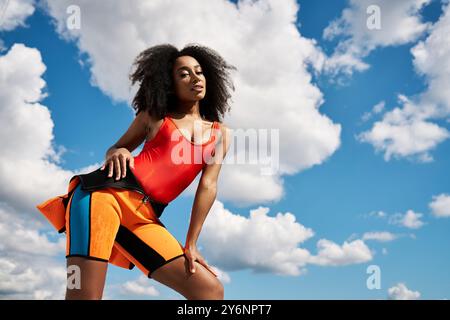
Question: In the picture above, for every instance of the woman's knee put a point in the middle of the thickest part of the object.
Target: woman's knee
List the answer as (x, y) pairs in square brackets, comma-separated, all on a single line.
[(201, 285), (218, 290), (211, 289)]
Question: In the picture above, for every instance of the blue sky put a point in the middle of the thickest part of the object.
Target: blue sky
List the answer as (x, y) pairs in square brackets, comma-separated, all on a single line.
[(335, 196)]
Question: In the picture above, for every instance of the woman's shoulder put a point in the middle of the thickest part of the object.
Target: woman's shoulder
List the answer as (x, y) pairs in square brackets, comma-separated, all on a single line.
[(150, 122)]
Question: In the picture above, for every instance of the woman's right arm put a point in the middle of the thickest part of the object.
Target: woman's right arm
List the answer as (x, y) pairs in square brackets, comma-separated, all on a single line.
[(118, 155)]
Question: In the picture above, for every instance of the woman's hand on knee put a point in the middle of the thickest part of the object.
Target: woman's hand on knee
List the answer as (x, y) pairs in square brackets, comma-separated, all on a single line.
[(193, 255)]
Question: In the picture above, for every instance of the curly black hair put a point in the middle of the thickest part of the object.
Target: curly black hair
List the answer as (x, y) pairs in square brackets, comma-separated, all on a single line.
[(156, 94)]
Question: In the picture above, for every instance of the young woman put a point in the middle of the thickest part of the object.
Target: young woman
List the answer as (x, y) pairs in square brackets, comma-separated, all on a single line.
[(112, 214)]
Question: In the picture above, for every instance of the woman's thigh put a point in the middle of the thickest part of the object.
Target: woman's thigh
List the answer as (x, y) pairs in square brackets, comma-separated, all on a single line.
[(85, 278), (199, 285), (160, 256)]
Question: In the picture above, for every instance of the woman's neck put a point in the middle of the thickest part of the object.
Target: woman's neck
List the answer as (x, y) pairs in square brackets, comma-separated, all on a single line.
[(191, 110)]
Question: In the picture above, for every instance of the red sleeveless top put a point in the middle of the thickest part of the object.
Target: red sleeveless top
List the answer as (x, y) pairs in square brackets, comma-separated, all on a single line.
[(169, 162)]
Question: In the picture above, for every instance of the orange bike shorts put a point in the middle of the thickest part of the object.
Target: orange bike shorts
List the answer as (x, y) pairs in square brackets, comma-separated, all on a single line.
[(99, 220)]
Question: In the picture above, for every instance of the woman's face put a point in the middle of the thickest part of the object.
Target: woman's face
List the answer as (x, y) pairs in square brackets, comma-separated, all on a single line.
[(187, 73)]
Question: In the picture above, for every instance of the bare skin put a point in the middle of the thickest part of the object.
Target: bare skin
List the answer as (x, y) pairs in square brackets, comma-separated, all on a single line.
[(197, 286), (191, 276), (93, 274)]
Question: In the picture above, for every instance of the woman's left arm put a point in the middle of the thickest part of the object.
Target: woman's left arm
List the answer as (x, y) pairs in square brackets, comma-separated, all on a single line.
[(204, 199)]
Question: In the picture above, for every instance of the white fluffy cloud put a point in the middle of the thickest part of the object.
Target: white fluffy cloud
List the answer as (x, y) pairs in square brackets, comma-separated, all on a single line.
[(14, 13), (270, 244), (432, 60), (37, 176), (401, 292), (274, 91), (400, 23), (440, 205), (140, 286), (405, 133), (410, 219), (260, 242), (408, 130), (332, 254), (27, 266), (16, 236), (20, 279)]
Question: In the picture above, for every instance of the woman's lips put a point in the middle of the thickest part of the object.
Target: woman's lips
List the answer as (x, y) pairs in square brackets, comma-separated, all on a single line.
[(197, 88)]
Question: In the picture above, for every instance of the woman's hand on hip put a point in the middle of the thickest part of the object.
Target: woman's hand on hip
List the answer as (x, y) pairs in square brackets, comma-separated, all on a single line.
[(117, 159)]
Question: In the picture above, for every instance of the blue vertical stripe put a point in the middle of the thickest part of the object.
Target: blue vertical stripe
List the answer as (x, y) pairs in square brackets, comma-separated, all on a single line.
[(80, 222)]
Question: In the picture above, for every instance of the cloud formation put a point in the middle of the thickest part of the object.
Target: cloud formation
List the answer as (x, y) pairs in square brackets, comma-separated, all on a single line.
[(359, 33), (401, 292), (410, 219), (440, 205), (14, 13), (410, 130), (271, 244)]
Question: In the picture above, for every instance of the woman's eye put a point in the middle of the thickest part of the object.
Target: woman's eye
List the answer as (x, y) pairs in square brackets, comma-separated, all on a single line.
[(186, 74)]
